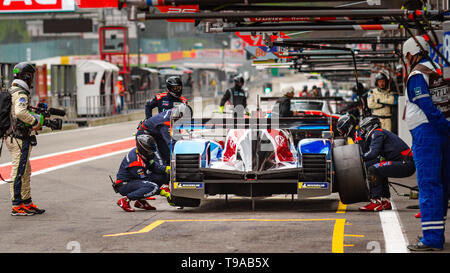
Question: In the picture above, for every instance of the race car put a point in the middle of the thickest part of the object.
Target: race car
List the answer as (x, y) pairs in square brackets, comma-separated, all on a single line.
[(259, 158), (307, 107)]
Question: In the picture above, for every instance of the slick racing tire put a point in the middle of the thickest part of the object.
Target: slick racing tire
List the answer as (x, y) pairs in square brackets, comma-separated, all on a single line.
[(350, 174), (184, 201)]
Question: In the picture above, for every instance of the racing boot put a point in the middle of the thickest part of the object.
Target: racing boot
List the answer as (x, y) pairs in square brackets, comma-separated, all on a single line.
[(142, 204), (124, 203), (374, 205), (386, 204), (21, 210), (32, 207)]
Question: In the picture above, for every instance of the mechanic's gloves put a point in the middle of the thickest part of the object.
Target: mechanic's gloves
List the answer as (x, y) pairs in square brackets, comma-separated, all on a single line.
[(221, 109), (168, 196), (167, 169)]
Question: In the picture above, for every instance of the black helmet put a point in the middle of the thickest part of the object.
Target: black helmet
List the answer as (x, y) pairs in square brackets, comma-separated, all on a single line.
[(181, 111), (238, 80), (174, 86), (381, 76), (367, 125), (24, 71), (146, 146), (345, 125)]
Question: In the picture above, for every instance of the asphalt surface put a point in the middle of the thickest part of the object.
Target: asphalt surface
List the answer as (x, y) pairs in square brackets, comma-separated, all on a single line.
[(82, 215)]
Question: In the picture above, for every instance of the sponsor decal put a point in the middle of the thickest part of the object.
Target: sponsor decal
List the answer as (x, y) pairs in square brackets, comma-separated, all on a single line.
[(187, 185), (313, 185)]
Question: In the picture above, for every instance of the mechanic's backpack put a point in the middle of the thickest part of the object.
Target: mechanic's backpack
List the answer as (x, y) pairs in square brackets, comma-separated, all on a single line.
[(5, 112), (5, 115)]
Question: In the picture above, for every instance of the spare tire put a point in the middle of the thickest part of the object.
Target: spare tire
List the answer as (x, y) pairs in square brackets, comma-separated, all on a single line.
[(185, 201), (350, 174)]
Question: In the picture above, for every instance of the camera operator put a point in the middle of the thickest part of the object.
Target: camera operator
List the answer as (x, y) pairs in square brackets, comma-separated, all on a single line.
[(21, 138)]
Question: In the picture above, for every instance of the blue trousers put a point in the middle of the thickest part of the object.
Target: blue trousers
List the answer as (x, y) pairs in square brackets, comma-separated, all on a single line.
[(431, 151), (383, 170), (138, 189)]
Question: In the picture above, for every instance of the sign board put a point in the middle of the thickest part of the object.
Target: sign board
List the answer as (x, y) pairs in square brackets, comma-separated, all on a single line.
[(262, 52), (26, 6), (89, 4), (73, 25), (446, 48), (257, 40)]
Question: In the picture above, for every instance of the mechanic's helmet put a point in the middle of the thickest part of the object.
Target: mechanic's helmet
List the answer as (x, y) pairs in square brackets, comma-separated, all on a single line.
[(181, 111), (288, 90), (410, 46), (367, 125), (381, 76), (120, 78), (346, 124), (146, 146), (24, 71), (238, 80), (174, 86)]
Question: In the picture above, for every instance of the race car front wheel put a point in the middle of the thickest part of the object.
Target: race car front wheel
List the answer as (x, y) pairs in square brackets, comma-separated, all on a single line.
[(350, 174)]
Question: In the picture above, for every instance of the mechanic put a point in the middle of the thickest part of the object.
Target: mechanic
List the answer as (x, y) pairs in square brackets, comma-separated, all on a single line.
[(237, 96), (167, 100), (380, 100), (384, 155), (282, 108), (347, 126), (21, 139), (304, 92), (427, 116), (134, 179), (158, 127)]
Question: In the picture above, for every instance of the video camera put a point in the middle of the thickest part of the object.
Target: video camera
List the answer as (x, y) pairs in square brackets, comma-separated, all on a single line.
[(54, 124)]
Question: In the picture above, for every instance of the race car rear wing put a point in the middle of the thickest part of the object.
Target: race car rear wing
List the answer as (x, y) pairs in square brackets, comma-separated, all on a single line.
[(218, 127)]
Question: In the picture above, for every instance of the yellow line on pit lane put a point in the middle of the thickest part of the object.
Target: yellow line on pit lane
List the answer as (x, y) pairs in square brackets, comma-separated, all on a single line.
[(338, 231)]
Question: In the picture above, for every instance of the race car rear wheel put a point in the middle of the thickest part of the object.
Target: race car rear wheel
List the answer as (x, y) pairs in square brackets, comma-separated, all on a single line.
[(350, 174)]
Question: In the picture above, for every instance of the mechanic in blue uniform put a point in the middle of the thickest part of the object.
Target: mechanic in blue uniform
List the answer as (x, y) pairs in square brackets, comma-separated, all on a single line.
[(167, 100), (428, 118), (158, 127), (138, 175), (384, 155)]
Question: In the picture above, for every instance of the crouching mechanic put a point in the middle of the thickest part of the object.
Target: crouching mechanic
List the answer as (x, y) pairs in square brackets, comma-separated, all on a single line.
[(138, 174), (385, 155)]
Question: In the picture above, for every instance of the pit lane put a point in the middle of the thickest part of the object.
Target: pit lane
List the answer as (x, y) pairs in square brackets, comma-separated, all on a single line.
[(82, 216)]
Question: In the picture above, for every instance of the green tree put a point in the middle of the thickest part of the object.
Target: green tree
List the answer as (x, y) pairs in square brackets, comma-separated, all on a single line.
[(13, 31)]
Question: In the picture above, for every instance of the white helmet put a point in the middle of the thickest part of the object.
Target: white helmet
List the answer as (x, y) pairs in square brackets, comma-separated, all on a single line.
[(410, 46), (287, 89)]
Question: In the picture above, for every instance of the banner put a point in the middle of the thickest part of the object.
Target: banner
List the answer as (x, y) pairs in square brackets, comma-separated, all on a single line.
[(26, 6), (89, 4)]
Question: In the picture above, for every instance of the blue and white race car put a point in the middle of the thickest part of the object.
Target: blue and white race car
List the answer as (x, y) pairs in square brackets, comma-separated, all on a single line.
[(258, 157)]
